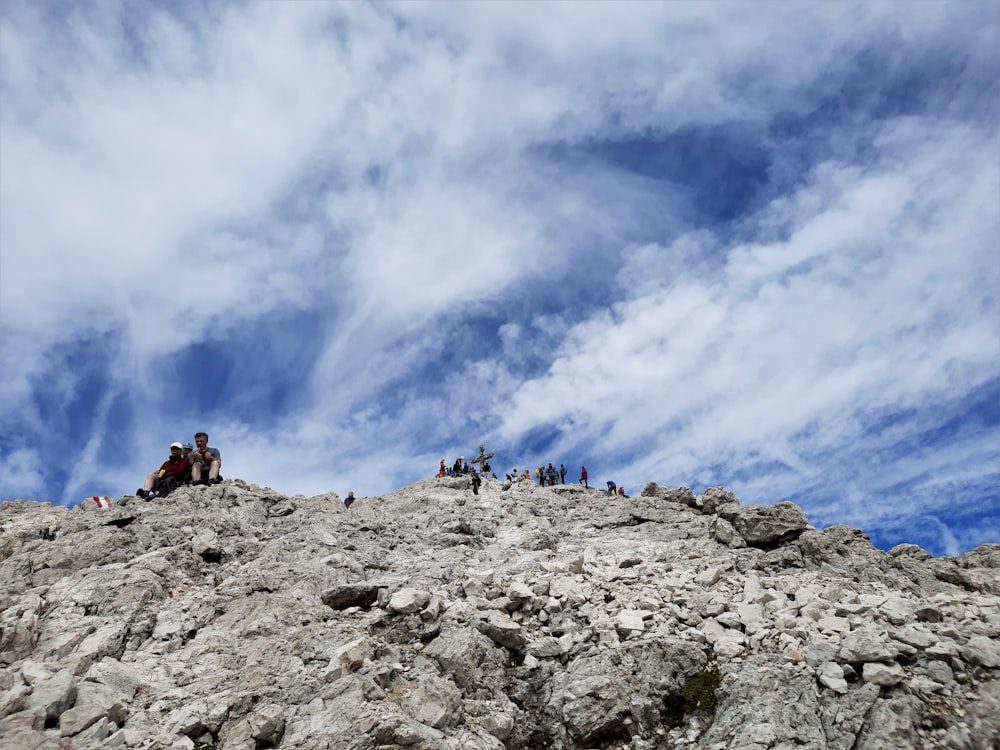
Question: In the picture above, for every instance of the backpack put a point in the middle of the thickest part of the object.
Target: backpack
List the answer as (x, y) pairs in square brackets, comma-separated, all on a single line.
[(165, 485)]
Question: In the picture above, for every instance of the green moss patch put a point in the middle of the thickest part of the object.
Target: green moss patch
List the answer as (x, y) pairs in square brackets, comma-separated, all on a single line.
[(697, 694)]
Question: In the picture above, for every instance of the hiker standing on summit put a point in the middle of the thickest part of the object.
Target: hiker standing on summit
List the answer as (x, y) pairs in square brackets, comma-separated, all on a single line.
[(205, 459)]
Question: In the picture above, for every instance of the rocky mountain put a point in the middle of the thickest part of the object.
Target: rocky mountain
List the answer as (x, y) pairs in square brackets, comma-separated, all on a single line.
[(525, 617)]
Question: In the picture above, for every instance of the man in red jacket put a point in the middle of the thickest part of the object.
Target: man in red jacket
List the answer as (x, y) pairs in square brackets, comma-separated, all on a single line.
[(176, 466)]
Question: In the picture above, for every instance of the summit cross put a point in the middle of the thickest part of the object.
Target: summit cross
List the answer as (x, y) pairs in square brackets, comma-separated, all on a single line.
[(483, 457)]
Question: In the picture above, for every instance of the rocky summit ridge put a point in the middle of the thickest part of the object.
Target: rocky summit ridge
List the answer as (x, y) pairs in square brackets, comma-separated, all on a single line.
[(525, 617)]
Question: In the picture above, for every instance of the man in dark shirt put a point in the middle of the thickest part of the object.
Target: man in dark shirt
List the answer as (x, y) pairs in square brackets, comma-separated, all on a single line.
[(205, 461)]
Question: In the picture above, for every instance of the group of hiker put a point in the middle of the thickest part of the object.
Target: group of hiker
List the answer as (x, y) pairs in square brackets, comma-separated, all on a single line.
[(461, 469), (550, 476), (547, 476), (614, 489), (188, 464), (544, 475)]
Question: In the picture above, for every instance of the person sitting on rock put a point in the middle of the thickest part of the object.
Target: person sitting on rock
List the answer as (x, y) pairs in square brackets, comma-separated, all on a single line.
[(206, 461), (170, 474), (442, 469), (349, 500), (458, 468)]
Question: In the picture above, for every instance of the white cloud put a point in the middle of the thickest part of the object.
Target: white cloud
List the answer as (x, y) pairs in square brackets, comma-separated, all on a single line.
[(23, 474), (856, 311)]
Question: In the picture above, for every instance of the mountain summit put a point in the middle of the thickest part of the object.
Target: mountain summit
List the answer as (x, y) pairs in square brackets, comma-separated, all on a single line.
[(232, 617)]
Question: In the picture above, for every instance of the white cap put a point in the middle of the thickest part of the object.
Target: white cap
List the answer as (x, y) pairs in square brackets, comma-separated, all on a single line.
[(177, 445)]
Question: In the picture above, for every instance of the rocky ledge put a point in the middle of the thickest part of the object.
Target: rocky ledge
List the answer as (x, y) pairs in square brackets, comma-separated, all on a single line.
[(525, 617)]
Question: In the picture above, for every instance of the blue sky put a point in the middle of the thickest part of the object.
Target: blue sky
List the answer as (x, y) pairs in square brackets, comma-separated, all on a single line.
[(747, 244)]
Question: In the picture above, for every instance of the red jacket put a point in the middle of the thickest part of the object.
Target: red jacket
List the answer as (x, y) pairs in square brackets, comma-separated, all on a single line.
[(173, 468)]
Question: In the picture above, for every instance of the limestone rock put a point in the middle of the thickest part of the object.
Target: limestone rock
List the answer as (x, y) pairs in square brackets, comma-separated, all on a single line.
[(630, 621), (206, 546), (884, 675), (868, 645), (408, 600), (466, 656), (267, 724), (715, 498), (892, 723), (75, 720), (231, 616), (435, 702), (502, 630), (831, 675), (348, 658), (983, 651), (774, 524), (54, 695), (765, 703), (910, 550), (350, 595), (681, 495), (724, 532)]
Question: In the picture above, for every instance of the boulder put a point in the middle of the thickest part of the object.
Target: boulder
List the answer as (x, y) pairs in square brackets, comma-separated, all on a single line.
[(883, 675), (350, 595), (716, 497), (503, 631), (466, 656), (771, 525), (54, 695), (831, 675), (434, 702), (982, 651), (764, 702), (408, 600), (680, 495)]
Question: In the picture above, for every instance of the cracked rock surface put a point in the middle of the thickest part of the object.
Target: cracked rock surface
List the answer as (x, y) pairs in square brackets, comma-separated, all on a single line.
[(234, 617)]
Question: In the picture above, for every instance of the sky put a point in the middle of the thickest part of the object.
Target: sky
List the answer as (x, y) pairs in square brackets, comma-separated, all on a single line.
[(743, 244)]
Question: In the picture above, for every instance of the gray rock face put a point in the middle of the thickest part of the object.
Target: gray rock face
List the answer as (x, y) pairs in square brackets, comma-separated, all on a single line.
[(524, 617)]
